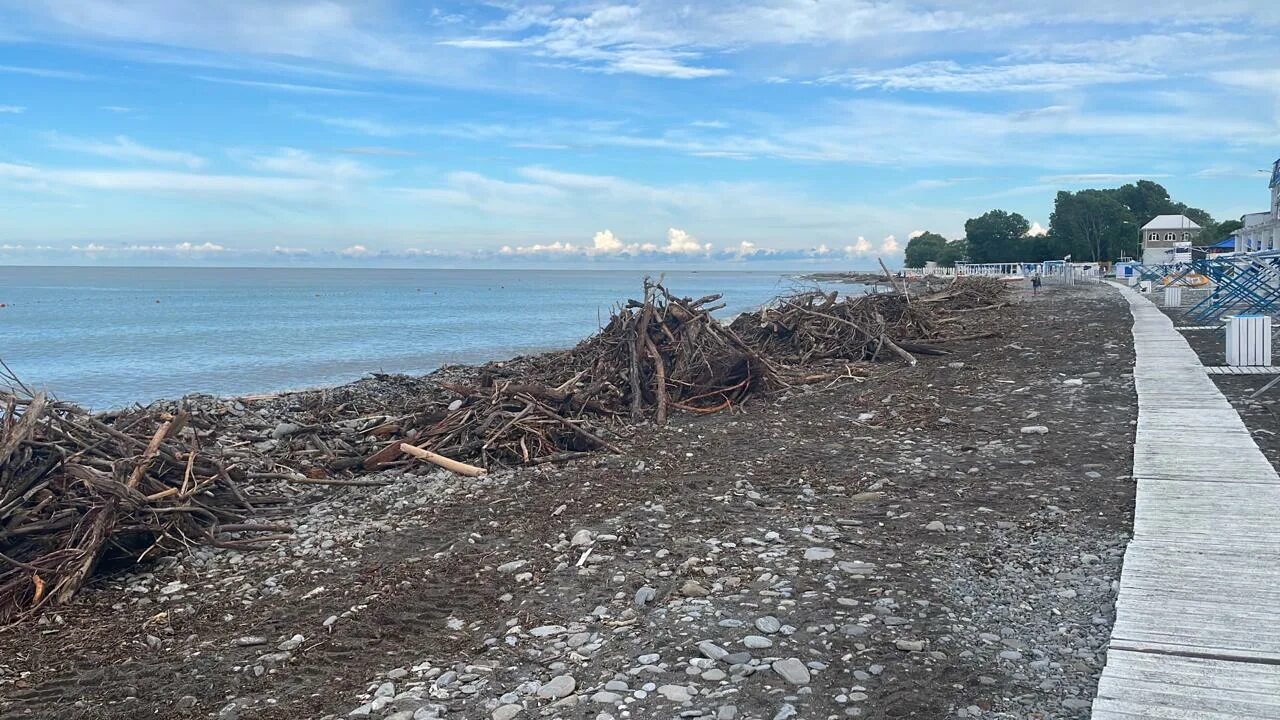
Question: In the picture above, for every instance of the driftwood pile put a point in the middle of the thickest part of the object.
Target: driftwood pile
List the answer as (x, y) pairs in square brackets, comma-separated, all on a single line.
[(972, 292), (811, 326), (655, 356), (77, 490)]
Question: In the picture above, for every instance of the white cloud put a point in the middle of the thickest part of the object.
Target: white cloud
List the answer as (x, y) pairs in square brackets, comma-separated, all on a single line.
[(12, 109), (291, 251), (1037, 230), (889, 244), (861, 246), (356, 251), (123, 148), (182, 248), (482, 43), (43, 72), (291, 161), (555, 248), (606, 243), (915, 234), (680, 242), (24, 248), (950, 76), (32, 178), (287, 87), (205, 247)]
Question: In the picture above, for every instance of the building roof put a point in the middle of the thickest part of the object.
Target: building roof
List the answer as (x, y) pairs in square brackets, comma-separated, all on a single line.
[(1171, 222)]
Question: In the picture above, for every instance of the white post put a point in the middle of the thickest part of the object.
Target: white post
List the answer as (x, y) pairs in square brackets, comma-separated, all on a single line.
[(1249, 340), (1173, 296)]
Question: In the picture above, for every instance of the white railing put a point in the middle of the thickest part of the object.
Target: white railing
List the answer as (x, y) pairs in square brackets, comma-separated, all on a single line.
[(933, 271), (996, 269)]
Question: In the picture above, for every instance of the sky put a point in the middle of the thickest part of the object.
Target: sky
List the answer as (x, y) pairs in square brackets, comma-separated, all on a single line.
[(737, 133)]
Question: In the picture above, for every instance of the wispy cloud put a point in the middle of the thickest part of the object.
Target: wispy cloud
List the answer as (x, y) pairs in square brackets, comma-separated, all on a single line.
[(950, 76), (12, 109), (32, 178), (287, 87), (44, 72), (377, 150), (292, 161), (123, 148), (482, 43)]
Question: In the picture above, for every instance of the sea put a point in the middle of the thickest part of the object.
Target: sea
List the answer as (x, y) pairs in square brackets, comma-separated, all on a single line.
[(109, 337)]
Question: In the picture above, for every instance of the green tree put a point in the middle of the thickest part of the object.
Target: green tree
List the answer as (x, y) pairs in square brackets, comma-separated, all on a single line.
[(923, 248), (1216, 231), (1145, 200), (996, 236), (953, 252), (1093, 224)]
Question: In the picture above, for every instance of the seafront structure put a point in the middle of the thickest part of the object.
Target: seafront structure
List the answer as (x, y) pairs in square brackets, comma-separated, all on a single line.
[(1261, 230), (1166, 236)]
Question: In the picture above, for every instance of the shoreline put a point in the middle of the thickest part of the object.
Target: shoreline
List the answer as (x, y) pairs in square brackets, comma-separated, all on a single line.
[(163, 338), (905, 547)]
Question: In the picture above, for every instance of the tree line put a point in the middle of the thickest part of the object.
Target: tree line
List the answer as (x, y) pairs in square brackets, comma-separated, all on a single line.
[(1088, 225)]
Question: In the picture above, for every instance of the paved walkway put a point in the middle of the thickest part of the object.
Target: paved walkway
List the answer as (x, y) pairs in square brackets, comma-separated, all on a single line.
[(1197, 632)]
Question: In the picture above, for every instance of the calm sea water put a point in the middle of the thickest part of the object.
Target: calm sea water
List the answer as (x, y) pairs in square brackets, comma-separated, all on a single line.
[(107, 337)]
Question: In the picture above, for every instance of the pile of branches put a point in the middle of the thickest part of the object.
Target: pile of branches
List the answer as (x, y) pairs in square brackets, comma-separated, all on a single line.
[(812, 326), (973, 292), (657, 355), (77, 490)]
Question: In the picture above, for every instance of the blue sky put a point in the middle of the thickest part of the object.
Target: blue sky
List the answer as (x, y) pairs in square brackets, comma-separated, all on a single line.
[(766, 132)]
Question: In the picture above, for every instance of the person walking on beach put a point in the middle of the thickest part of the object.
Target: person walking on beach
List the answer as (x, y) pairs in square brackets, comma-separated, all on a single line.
[(1035, 284)]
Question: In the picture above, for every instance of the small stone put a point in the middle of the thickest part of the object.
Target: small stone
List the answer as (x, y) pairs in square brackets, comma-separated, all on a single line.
[(644, 595), (558, 687), (249, 640), (712, 650), (786, 711), (292, 643), (1010, 655), (936, 526), (909, 645), (1035, 430), (456, 404), (514, 565), (692, 588), (792, 670), (819, 553), (768, 624), (582, 537), (675, 693), (605, 697), (506, 712), (727, 712), (757, 642)]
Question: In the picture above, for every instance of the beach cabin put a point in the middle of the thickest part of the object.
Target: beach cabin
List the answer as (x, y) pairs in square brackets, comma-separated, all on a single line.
[(1166, 238)]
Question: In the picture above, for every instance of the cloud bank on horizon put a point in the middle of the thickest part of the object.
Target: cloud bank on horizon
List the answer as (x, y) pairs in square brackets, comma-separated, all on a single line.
[(769, 131)]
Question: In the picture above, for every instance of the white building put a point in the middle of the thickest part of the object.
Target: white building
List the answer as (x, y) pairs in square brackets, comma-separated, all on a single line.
[(1166, 237), (1261, 230)]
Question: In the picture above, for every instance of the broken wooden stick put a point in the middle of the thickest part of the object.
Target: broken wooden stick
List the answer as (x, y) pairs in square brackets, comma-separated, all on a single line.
[(447, 463)]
